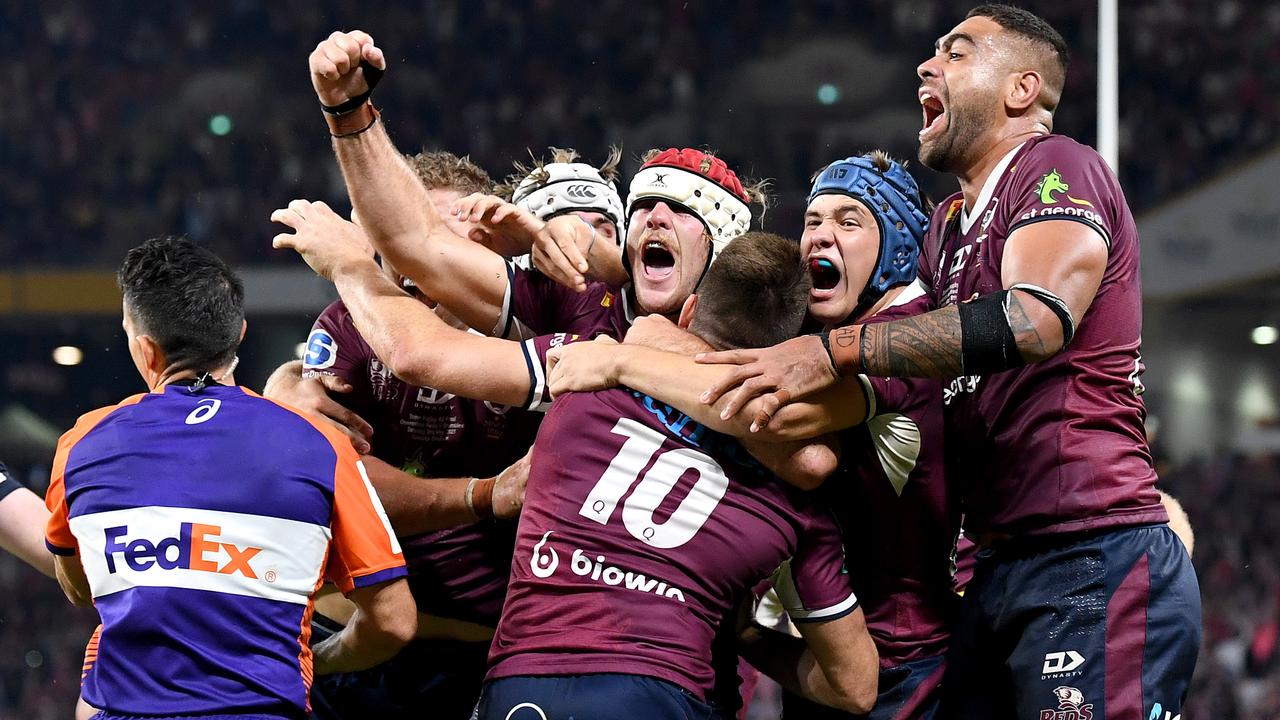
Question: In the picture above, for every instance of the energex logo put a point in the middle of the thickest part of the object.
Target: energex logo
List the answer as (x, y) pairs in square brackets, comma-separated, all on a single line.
[(196, 548), (1062, 664), (1159, 713)]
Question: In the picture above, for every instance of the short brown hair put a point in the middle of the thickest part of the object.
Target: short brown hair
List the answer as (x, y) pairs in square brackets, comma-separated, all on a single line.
[(754, 295), (439, 170)]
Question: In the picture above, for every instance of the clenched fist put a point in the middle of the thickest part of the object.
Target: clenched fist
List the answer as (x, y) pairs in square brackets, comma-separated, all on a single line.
[(336, 74)]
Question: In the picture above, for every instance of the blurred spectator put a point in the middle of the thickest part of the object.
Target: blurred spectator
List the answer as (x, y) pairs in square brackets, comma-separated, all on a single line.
[(113, 131)]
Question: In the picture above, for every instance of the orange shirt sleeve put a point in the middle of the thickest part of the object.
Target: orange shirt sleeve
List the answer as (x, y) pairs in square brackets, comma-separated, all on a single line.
[(364, 549), (57, 533)]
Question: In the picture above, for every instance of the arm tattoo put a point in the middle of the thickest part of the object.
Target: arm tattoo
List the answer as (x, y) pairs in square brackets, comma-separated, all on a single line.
[(926, 345), (1025, 333)]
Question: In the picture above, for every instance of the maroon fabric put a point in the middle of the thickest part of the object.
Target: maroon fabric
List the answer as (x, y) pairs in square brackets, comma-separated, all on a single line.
[(640, 532), (460, 572), (1056, 446), (899, 543), (1126, 642)]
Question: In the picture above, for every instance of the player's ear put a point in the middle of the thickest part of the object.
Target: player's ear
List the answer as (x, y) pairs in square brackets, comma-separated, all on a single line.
[(244, 325), (1024, 89), (152, 360), (686, 311)]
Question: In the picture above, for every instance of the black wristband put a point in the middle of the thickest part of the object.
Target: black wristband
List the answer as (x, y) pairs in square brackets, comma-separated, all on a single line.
[(825, 337), (371, 77), (986, 340), (8, 483)]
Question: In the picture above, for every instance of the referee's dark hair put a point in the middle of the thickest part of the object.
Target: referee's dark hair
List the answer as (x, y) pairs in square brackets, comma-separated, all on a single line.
[(186, 299)]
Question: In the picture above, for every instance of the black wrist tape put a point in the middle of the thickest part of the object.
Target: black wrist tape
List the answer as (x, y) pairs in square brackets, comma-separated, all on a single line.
[(986, 340), (371, 77)]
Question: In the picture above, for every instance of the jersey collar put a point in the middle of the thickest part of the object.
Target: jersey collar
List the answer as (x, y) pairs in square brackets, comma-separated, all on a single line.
[(969, 217)]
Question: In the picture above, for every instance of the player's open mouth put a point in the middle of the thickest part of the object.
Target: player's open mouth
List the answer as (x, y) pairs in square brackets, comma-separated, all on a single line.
[(826, 276), (935, 114), (657, 260)]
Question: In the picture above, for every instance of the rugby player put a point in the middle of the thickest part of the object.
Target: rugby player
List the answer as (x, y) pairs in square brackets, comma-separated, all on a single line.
[(458, 574), (641, 531), (199, 519), (1081, 586), (561, 188), (683, 206), (862, 231)]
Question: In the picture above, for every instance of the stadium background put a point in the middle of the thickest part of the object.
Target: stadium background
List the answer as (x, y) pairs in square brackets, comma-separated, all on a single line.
[(126, 120)]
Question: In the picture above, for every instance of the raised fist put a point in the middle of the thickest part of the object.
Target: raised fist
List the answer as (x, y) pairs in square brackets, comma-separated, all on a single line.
[(335, 66)]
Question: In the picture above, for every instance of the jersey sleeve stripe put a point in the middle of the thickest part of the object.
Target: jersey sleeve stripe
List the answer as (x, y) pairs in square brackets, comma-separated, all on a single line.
[(536, 400), (835, 612), (1102, 232), (379, 576), (502, 328), (59, 550)]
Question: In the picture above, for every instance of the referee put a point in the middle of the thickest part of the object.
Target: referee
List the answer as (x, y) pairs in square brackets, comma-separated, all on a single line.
[(200, 519)]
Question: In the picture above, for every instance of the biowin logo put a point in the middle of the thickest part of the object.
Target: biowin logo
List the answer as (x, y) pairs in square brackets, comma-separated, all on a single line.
[(1052, 184), (1071, 705), (195, 548), (545, 560)]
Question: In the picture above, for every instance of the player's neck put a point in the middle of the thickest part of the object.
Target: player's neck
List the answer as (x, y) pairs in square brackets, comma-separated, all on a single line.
[(222, 376), (975, 176)]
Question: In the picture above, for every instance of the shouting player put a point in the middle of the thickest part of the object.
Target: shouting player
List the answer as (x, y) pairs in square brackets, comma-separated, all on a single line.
[(1082, 587), (683, 206), (862, 231), (642, 530), (199, 519)]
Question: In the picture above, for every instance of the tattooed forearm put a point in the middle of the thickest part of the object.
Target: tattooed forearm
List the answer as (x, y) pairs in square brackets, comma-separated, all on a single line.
[(926, 345), (1031, 345)]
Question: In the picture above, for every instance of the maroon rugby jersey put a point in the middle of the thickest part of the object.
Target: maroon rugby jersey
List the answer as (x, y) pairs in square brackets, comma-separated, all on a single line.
[(892, 501), (640, 531), (458, 572), (543, 306), (1056, 446)]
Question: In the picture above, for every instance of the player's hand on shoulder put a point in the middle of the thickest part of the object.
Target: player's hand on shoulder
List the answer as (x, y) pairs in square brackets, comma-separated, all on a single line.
[(335, 68), (323, 238), (778, 375), (657, 332), (560, 250), (509, 488), (583, 366), (312, 395)]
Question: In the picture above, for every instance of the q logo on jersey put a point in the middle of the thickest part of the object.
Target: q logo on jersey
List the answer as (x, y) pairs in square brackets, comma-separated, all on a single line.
[(321, 351)]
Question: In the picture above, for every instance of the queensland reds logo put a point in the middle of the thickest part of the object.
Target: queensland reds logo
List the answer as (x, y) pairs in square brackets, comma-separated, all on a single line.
[(1071, 705)]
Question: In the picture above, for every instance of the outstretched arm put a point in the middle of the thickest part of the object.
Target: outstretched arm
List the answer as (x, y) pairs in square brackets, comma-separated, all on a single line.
[(23, 518), (680, 382), (1051, 272), (405, 334), (392, 203)]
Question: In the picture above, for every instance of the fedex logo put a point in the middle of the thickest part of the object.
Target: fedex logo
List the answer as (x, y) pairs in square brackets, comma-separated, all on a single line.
[(195, 548)]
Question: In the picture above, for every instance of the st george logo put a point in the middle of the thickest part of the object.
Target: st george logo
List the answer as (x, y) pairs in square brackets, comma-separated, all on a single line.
[(1051, 184), (195, 548)]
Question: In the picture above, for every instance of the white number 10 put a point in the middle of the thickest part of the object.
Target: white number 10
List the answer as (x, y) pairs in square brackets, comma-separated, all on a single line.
[(637, 514)]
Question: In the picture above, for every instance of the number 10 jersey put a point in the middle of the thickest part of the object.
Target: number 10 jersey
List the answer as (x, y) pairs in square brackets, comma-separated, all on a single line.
[(641, 531)]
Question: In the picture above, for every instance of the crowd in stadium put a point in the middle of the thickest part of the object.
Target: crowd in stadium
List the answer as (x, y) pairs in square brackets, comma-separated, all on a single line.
[(739, 468), (116, 107)]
